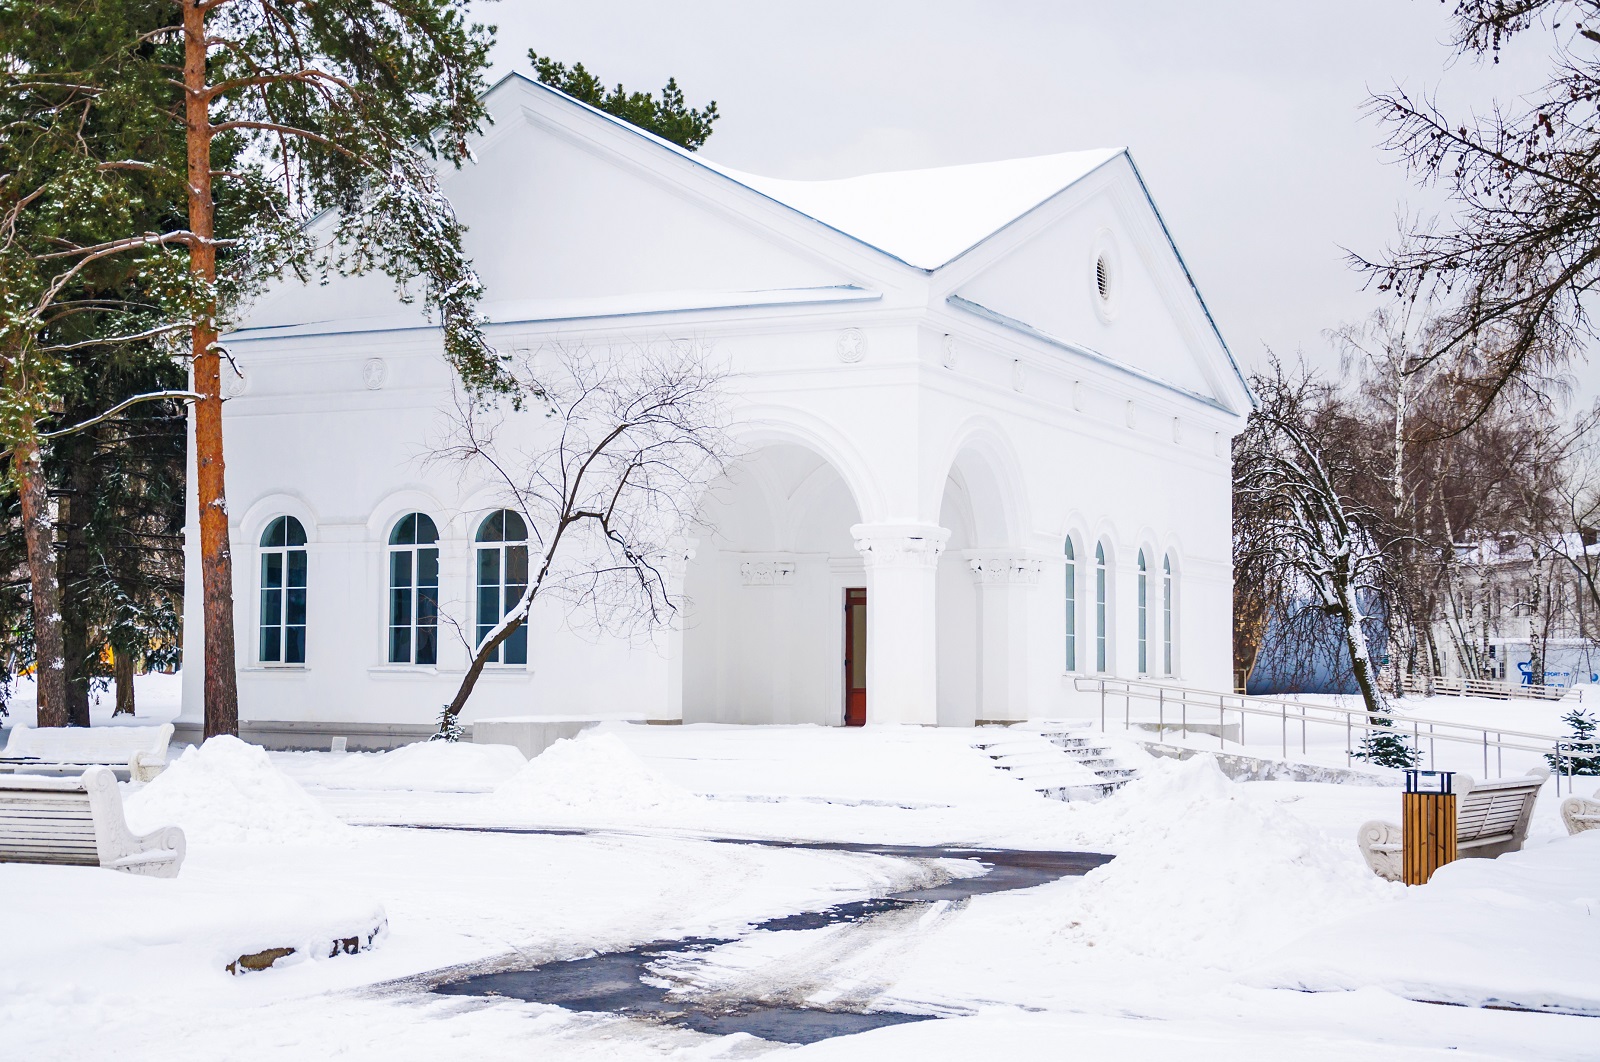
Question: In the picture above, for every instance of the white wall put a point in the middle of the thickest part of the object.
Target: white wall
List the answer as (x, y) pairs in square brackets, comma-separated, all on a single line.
[(897, 414)]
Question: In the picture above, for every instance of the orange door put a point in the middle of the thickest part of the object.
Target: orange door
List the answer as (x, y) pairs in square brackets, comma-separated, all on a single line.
[(855, 657)]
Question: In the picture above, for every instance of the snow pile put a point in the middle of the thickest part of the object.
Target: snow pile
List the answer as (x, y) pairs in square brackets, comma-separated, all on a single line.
[(227, 792), (592, 772), (427, 766), (1210, 872), (1521, 931), (128, 934)]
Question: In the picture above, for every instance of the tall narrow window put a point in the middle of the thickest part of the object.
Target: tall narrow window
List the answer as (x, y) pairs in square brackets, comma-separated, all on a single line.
[(1166, 614), (283, 592), (1100, 607), (502, 578), (1072, 609), (414, 591), (1144, 616)]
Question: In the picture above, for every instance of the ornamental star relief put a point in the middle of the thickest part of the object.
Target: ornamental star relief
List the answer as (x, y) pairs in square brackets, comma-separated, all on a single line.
[(852, 345)]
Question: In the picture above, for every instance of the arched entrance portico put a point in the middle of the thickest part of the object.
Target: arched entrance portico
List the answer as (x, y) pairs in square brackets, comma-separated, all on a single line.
[(765, 631)]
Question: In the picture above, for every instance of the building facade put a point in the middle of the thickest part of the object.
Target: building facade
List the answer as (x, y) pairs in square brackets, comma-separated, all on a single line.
[(983, 420)]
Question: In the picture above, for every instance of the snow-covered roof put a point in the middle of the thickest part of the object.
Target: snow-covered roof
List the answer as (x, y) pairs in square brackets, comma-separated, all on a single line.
[(925, 218)]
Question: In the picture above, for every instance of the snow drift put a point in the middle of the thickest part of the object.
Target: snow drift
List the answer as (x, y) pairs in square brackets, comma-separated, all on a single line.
[(228, 792), (1209, 873), (591, 772), (427, 766)]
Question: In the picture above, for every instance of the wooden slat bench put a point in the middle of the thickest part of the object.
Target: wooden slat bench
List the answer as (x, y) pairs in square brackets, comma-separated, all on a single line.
[(1581, 813), (1491, 819), (79, 822), (139, 750)]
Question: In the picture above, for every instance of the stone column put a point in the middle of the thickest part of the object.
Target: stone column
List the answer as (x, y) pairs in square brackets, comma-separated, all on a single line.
[(902, 669), (1004, 580), (676, 569)]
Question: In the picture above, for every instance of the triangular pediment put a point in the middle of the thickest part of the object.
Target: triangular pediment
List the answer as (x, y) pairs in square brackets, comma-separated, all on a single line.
[(568, 214), (1095, 272)]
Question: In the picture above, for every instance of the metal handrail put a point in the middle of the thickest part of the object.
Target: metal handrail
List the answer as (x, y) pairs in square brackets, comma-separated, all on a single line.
[(1355, 721)]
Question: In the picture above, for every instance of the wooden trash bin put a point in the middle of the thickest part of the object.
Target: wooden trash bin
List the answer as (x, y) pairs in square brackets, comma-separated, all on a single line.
[(1428, 825)]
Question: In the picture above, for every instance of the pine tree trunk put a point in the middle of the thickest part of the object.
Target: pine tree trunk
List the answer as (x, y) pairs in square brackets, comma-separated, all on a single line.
[(72, 572), (38, 531), (216, 563), (122, 671)]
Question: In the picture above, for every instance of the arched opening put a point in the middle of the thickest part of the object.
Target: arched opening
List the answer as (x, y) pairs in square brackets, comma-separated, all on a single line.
[(768, 590), (981, 606)]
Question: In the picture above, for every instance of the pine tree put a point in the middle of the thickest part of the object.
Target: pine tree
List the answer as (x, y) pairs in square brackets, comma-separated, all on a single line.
[(121, 484), (669, 117), (1580, 751), (266, 116)]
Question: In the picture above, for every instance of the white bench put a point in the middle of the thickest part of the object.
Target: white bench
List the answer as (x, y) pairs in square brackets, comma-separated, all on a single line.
[(139, 750), (1491, 819), (1581, 813), (78, 822)]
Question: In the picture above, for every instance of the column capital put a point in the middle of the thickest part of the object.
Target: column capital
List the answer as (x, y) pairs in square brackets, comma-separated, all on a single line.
[(1002, 567), (900, 545)]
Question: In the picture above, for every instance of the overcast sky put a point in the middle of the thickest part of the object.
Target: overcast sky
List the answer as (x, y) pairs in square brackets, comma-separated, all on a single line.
[(1245, 116)]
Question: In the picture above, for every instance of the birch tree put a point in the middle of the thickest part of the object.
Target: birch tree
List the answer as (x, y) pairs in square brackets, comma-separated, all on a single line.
[(1316, 540), (620, 459)]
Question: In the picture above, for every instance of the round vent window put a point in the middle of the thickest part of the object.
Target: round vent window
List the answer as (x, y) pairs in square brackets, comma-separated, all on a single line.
[(1105, 276)]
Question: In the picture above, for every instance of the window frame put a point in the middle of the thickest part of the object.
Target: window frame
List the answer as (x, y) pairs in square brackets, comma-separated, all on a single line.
[(1168, 642), (1142, 626), (1070, 604), (286, 552), (503, 549), (415, 588), (1102, 594)]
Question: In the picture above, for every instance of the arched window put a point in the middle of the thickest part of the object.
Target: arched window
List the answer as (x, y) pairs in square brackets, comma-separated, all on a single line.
[(502, 578), (1100, 607), (414, 591), (283, 592), (1072, 609), (1144, 615), (1166, 614)]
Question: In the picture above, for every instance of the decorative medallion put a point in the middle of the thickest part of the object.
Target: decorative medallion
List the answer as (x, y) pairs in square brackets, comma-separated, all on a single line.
[(1132, 419), (1177, 430), (374, 373), (852, 345), (232, 380), (1019, 376), (949, 352), (1077, 395)]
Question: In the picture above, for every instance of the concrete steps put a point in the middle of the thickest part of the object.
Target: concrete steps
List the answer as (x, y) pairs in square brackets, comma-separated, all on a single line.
[(1061, 761)]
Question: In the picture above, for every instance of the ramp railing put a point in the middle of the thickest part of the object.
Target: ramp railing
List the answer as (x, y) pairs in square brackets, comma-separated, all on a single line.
[(1240, 719)]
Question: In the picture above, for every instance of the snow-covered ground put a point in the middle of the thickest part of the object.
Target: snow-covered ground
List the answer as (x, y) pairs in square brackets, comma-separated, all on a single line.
[(1236, 921)]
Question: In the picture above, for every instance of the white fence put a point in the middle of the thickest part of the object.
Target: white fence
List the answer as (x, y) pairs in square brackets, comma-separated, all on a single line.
[(1434, 685), (1289, 724)]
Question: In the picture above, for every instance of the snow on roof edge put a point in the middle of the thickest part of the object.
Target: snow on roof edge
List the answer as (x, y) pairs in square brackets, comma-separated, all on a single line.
[(1227, 351), (738, 177)]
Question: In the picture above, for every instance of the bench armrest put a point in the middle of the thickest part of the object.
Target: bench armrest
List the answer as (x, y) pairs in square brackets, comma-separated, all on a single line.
[(1380, 844)]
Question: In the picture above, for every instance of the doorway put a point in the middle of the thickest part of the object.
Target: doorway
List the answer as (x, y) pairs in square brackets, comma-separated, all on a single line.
[(855, 656)]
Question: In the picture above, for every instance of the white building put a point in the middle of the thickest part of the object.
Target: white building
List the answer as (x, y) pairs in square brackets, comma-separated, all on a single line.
[(987, 400)]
